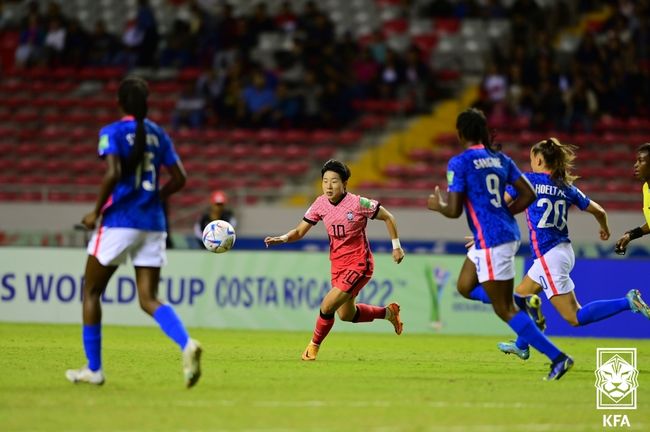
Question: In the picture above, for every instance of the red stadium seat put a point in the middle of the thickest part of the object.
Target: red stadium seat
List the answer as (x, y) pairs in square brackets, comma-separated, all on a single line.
[(320, 137), (295, 136), (268, 151), (446, 25), (348, 138), (297, 169), (324, 153), (395, 26), (242, 151), (394, 170), (295, 152), (242, 135)]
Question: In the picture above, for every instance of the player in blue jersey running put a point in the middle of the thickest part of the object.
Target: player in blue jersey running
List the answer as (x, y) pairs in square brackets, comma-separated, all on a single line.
[(551, 162), (132, 223), (477, 179)]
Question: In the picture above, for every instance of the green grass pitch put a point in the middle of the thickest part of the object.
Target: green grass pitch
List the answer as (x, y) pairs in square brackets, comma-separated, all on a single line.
[(255, 381)]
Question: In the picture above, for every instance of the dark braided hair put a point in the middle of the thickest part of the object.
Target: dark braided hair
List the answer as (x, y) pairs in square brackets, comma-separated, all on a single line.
[(132, 97), (338, 167), (471, 125), (559, 158)]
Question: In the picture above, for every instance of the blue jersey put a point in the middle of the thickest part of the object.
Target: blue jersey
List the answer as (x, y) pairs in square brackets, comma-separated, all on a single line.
[(547, 216), (135, 201), (482, 176)]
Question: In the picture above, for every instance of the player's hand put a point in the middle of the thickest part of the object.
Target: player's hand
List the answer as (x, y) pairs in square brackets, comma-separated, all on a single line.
[(398, 255), (90, 220), (621, 244), (604, 233), (470, 242), (435, 200), (270, 241)]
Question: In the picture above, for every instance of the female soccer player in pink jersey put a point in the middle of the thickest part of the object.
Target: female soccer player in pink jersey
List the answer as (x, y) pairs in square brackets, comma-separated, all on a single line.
[(345, 215)]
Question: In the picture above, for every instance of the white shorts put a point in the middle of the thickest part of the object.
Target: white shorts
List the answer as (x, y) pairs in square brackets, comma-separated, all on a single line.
[(552, 270), (111, 246), (495, 263)]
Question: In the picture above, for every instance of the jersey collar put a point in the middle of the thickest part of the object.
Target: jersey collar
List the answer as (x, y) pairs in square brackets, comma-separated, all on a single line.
[(477, 147), (339, 201), (127, 118)]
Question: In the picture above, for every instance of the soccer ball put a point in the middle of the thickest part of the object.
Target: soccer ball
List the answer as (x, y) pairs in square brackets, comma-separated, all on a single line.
[(219, 236)]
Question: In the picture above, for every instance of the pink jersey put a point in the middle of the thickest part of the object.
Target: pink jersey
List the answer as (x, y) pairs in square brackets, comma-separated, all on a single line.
[(346, 226)]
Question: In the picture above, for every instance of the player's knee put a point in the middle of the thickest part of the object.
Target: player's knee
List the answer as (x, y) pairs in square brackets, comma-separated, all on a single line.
[(148, 305), (463, 290), (92, 291)]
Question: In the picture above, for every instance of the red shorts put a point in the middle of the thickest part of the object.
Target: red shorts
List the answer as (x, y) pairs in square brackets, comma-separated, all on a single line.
[(351, 281)]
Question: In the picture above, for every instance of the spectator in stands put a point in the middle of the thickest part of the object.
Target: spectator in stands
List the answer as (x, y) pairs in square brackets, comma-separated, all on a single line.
[(190, 108), (582, 106), (311, 92), (390, 76), (76, 44), (103, 46), (260, 22), (211, 85), (286, 19), (178, 51), (55, 42), (495, 88), (417, 78), (227, 33), (218, 210), (148, 27), (5, 16), (258, 101), (365, 72), (131, 39), (286, 111), (30, 43)]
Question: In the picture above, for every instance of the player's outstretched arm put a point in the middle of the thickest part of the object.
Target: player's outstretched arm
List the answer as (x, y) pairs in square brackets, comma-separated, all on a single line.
[(391, 226), (621, 244), (601, 216), (525, 195), (451, 209), (294, 235)]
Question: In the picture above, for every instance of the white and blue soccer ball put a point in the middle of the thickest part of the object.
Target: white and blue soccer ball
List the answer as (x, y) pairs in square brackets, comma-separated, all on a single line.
[(219, 236)]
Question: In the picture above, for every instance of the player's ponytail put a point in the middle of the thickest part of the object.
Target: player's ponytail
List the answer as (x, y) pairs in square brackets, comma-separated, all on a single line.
[(132, 96), (559, 159), (472, 126)]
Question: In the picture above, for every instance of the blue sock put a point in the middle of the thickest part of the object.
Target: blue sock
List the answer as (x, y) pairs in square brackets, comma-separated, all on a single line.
[(525, 328), (601, 309), (521, 343), (92, 337), (171, 324), (479, 294), (520, 301)]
